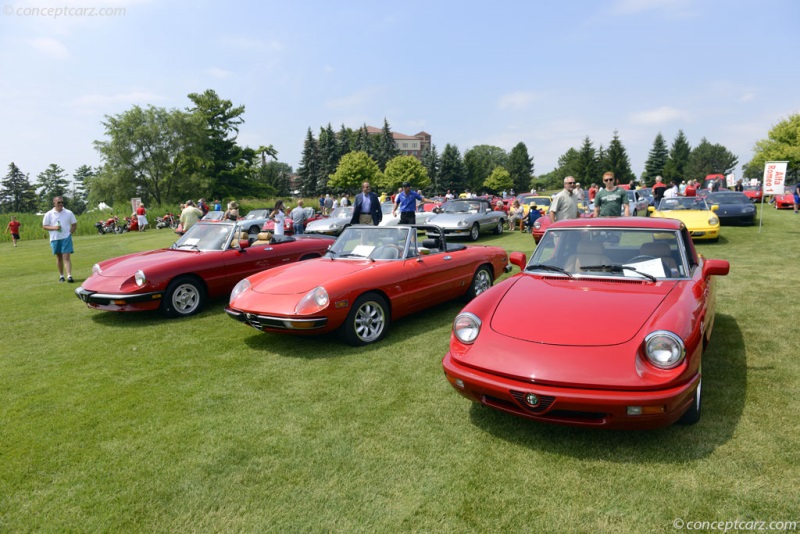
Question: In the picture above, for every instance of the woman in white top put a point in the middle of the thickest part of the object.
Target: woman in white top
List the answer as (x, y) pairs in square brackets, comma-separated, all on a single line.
[(279, 217)]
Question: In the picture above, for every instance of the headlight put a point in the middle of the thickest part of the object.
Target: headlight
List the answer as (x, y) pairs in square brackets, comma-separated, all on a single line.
[(335, 226), (140, 278), (238, 289), (96, 269), (713, 221), (463, 222), (537, 224), (466, 327), (664, 349), (314, 301)]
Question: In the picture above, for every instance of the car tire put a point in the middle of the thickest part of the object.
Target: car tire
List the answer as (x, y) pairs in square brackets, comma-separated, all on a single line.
[(367, 322), (692, 415), (475, 232), (481, 281), (500, 227), (184, 296)]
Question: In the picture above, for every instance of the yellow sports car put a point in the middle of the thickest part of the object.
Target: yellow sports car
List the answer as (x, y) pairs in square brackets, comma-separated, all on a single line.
[(541, 202), (700, 220)]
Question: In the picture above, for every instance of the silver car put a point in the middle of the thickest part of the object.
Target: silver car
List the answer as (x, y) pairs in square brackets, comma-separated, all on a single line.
[(638, 204), (333, 225), (393, 220), (254, 220), (468, 217)]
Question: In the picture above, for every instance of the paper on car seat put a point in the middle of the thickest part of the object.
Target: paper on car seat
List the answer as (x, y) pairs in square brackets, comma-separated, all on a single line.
[(654, 267)]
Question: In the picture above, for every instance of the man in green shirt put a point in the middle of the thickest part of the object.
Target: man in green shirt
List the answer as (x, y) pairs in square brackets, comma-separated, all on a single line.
[(611, 201)]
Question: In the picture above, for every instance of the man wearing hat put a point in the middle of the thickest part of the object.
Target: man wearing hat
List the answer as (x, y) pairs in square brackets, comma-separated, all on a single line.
[(406, 200)]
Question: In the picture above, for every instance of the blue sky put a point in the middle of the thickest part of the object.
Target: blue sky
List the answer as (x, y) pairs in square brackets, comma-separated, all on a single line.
[(546, 73)]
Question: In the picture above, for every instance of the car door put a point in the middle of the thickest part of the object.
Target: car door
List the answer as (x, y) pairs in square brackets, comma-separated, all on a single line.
[(436, 277)]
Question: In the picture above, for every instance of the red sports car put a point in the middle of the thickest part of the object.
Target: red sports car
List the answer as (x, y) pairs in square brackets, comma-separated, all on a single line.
[(630, 310), (754, 192), (371, 276), (206, 262), (784, 201)]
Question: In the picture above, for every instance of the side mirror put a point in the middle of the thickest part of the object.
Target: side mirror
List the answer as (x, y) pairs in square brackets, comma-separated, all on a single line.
[(651, 209), (244, 243), (716, 268), (715, 207), (518, 259)]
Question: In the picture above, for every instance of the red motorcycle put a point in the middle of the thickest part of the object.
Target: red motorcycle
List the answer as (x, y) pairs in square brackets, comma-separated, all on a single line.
[(109, 226), (169, 220)]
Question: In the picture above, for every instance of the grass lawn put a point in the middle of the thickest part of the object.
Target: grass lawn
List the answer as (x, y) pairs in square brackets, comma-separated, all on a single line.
[(113, 422)]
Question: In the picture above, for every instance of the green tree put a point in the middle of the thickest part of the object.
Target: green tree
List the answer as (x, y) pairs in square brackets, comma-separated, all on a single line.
[(362, 141), (675, 168), (520, 167), (782, 144), (149, 153), (480, 161), (587, 167), (354, 169), (404, 169), (499, 180), (385, 147), (707, 158), (17, 194), (656, 160), (52, 182), (328, 156), (431, 162), (273, 180), (310, 166), (453, 172), (344, 140), (226, 166), (616, 160)]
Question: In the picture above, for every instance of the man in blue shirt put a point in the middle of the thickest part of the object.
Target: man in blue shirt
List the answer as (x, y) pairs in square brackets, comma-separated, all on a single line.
[(367, 207), (407, 202)]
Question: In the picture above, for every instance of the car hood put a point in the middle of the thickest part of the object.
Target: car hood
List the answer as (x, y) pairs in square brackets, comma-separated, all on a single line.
[(326, 223), (450, 218), (306, 275), (128, 265), (691, 218), (578, 311)]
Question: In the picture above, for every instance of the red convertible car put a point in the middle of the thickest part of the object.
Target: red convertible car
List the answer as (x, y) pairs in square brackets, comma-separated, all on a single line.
[(206, 262), (784, 201), (371, 276), (630, 311)]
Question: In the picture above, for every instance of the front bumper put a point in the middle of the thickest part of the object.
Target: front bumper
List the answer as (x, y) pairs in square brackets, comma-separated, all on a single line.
[(120, 301), (571, 406), (277, 324), (712, 233)]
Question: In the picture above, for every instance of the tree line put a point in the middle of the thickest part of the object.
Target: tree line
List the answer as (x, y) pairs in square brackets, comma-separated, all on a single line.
[(167, 155)]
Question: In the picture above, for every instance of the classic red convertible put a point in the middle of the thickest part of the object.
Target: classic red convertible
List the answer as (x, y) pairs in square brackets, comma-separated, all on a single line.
[(630, 310), (206, 262), (371, 276)]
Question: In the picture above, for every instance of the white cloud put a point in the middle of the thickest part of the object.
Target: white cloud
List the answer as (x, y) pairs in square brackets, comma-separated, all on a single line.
[(358, 99), (658, 116), (51, 47), (218, 73), (517, 100)]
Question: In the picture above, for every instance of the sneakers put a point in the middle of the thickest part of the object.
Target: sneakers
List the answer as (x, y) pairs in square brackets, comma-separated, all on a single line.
[(70, 280), (60, 278)]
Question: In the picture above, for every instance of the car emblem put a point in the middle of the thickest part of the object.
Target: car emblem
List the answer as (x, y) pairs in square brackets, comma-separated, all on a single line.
[(532, 399)]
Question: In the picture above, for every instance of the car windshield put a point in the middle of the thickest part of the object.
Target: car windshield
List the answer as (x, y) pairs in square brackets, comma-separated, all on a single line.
[(213, 216), (373, 242), (462, 206), (729, 198), (256, 214), (682, 203), (645, 254), (539, 201), (752, 188), (214, 236)]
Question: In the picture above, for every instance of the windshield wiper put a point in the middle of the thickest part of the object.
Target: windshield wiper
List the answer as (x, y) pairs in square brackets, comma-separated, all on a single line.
[(617, 269), (545, 267), (354, 255), (194, 247)]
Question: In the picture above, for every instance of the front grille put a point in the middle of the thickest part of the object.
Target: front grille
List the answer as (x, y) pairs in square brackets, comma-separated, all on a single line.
[(545, 401)]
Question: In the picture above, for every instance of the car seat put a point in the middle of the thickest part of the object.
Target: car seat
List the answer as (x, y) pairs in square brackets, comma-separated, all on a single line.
[(263, 238), (661, 250), (586, 253)]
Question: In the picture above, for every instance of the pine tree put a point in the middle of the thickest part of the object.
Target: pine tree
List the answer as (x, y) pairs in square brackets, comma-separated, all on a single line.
[(52, 182), (453, 172), (520, 167), (344, 141), (78, 192), (587, 169), (432, 163), (656, 160), (385, 147), (17, 195), (675, 168), (328, 156), (363, 143), (309, 167), (616, 160)]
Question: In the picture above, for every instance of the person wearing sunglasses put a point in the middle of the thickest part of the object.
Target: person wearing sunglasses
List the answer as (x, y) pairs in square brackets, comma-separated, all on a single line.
[(61, 223), (565, 203), (611, 201)]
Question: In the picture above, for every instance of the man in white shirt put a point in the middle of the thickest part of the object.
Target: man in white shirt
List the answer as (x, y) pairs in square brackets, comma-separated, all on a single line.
[(61, 223)]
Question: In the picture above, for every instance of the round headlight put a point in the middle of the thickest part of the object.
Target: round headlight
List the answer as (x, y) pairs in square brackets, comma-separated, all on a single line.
[(238, 289), (96, 269), (140, 278), (466, 327), (664, 349), (335, 226), (315, 300), (713, 221), (537, 224), (463, 222)]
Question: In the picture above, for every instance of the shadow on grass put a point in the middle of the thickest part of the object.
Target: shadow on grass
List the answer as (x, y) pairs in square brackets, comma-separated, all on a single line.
[(724, 390), (155, 317)]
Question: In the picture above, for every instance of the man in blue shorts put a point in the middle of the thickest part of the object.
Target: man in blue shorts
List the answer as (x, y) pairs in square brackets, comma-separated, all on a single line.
[(61, 223)]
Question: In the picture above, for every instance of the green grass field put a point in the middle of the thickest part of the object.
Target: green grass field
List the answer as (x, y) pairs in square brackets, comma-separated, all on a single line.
[(113, 422)]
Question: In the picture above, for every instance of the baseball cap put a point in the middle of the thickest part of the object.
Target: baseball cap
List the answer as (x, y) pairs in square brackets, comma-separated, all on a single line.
[(406, 184)]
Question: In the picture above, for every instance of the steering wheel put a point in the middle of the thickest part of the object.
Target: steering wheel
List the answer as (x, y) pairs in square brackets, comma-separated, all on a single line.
[(641, 257)]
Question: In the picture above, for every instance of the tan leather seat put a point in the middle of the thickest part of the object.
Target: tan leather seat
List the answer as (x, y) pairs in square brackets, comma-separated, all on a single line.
[(587, 253), (263, 238), (660, 249)]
